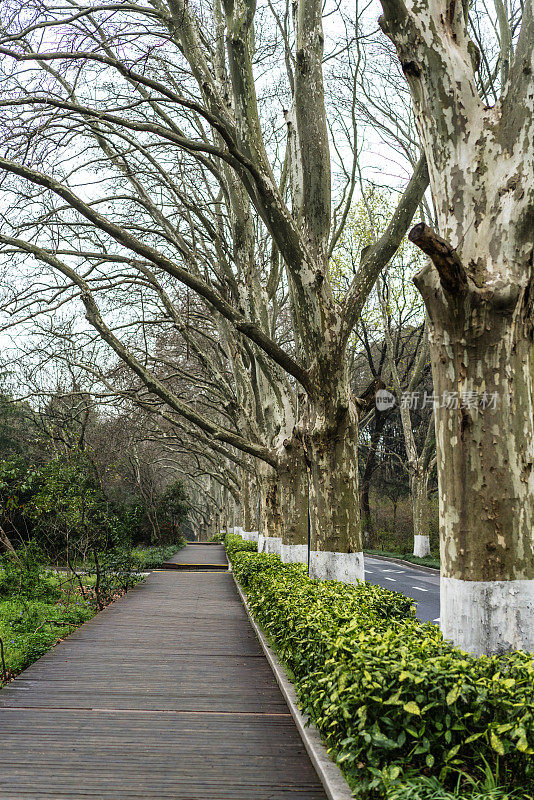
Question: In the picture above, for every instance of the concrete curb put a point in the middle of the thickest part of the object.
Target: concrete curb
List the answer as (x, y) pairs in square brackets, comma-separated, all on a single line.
[(431, 570), (334, 783)]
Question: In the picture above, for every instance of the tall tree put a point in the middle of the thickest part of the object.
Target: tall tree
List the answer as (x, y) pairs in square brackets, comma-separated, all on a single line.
[(478, 292), (173, 89)]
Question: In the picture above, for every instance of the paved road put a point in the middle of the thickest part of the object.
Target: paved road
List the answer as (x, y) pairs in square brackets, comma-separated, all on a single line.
[(410, 581)]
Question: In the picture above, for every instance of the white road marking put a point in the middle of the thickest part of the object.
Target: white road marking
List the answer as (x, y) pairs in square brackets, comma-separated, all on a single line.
[(370, 571), (437, 619), (420, 588), (390, 579)]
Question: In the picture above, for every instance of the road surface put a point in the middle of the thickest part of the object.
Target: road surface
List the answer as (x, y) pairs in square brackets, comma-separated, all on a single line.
[(411, 581)]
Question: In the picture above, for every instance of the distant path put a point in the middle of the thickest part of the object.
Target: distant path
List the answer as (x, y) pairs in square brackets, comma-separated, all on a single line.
[(165, 694), (200, 554), (409, 581)]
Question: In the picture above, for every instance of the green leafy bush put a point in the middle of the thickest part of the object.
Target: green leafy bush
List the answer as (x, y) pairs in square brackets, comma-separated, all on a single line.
[(424, 788), (387, 691), (24, 575), (29, 627), (235, 544)]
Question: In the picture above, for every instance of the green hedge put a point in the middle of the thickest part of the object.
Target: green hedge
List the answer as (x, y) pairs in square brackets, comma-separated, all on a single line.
[(235, 544), (388, 694)]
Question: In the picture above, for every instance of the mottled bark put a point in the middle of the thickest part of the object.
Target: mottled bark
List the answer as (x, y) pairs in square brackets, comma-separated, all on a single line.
[(485, 454), (478, 290), (420, 512), (294, 502), (332, 442), (249, 502), (482, 349), (202, 532), (270, 534)]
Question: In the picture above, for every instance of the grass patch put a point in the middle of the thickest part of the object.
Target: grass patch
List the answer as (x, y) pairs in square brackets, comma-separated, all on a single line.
[(31, 623), (39, 606), (426, 561)]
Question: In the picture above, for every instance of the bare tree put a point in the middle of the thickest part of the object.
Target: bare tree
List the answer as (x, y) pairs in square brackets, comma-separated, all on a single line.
[(178, 111), (420, 457)]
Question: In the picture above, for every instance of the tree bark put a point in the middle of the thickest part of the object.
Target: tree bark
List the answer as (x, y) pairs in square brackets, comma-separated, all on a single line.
[(368, 532), (478, 291), (336, 551), (5, 544), (486, 471), (294, 502), (270, 535), (420, 512), (249, 505)]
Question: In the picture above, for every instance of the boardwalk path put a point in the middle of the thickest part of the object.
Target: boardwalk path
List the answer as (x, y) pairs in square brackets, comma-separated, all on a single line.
[(165, 694)]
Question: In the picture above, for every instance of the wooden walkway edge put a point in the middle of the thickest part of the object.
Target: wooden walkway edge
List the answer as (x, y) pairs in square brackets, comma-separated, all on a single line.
[(165, 694)]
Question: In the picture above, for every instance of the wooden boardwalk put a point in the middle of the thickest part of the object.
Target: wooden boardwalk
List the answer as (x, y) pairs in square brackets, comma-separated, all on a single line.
[(199, 556), (165, 694)]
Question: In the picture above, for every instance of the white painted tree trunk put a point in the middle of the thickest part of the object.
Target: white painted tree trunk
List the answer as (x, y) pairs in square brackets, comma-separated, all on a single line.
[(294, 500), (486, 477), (336, 552), (479, 294), (421, 517)]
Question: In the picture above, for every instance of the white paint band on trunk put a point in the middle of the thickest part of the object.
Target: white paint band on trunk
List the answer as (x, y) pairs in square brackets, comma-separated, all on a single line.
[(272, 544), (488, 616), (294, 553), (421, 545), (346, 567)]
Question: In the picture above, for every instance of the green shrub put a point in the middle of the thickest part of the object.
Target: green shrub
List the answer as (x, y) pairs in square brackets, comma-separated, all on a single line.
[(144, 558), (235, 544), (30, 627), (385, 690), (424, 788), (24, 575)]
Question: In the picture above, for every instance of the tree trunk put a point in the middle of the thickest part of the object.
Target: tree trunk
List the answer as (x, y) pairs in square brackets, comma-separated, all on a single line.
[(420, 510), (294, 502), (483, 353), (336, 542), (5, 544), (270, 537), (249, 505), (368, 532), (479, 292)]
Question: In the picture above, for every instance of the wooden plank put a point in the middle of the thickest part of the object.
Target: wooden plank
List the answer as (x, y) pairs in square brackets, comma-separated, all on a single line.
[(165, 694), (208, 555)]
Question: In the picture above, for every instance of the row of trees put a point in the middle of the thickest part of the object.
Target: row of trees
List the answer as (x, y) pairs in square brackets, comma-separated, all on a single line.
[(75, 484), (188, 174)]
